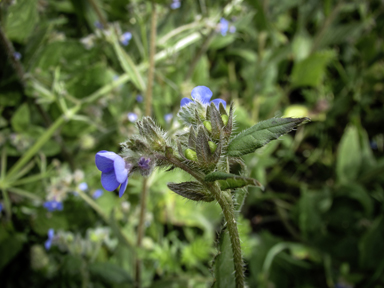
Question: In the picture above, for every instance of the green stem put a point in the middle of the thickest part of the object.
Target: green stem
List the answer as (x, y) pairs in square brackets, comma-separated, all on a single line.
[(42, 140), (227, 206), (148, 112)]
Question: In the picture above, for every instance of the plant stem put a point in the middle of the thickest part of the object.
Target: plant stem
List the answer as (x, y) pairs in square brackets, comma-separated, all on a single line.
[(227, 206), (148, 112)]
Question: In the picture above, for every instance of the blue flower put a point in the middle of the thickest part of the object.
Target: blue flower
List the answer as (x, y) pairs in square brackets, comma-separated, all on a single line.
[(83, 186), (144, 163), (132, 116), (17, 55), (175, 4), (224, 27), (139, 98), (203, 95), (168, 117), (98, 193), (1, 207), (114, 170), (98, 25), (51, 236), (125, 38), (53, 205)]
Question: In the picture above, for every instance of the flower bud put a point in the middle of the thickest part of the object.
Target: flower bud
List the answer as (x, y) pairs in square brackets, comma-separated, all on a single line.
[(225, 119), (212, 146), (208, 125), (190, 154)]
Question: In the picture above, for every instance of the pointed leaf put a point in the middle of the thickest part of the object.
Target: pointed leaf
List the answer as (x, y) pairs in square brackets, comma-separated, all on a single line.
[(223, 263), (231, 181), (262, 133), (191, 190)]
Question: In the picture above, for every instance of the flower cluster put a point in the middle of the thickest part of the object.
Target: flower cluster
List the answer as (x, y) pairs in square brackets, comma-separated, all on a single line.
[(53, 205), (203, 95)]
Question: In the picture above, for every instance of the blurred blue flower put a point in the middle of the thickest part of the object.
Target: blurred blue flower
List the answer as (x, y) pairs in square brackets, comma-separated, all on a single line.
[(51, 236), (139, 98), (168, 117), (203, 95), (98, 193), (144, 163), (115, 171), (125, 38), (1, 207), (175, 4), (224, 27), (98, 25), (132, 116), (83, 186), (53, 205), (17, 55), (373, 145)]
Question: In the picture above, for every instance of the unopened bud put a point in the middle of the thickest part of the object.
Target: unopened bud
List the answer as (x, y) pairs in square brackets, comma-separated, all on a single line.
[(208, 125), (212, 146), (190, 154), (225, 119)]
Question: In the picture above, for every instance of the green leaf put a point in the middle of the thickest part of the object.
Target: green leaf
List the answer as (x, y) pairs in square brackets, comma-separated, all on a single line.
[(9, 248), (110, 273), (21, 20), (231, 181), (191, 190), (349, 156), (21, 119), (260, 134), (129, 66), (223, 263), (311, 70)]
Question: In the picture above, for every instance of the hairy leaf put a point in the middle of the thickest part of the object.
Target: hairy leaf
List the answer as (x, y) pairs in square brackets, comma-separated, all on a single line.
[(262, 133), (191, 190)]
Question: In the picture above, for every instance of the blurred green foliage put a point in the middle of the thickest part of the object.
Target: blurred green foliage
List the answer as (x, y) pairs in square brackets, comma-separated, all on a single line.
[(319, 222)]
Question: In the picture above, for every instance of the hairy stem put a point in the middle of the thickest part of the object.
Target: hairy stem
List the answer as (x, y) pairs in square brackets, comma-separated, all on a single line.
[(227, 206)]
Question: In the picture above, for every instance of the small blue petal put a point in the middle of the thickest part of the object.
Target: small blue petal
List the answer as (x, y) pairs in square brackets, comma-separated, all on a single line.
[(98, 193), (83, 186), (48, 244), (51, 233), (125, 38), (223, 26), (104, 160), (168, 117), (175, 4), (1, 207), (202, 94), (17, 55), (108, 180), (121, 171), (123, 187), (139, 98), (53, 205), (132, 116), (218, 101), (185, 101)]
